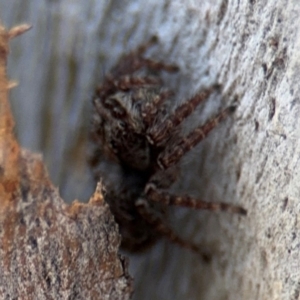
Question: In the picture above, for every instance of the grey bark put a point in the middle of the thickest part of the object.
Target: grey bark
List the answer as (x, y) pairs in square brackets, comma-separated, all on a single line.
[(251, 48)]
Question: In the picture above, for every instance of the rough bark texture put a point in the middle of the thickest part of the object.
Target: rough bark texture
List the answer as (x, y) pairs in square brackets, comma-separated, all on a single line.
[(50, 250), (252, 49)]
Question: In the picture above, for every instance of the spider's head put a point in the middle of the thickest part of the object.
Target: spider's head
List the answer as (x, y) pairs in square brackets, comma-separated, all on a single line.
[(121, 128)]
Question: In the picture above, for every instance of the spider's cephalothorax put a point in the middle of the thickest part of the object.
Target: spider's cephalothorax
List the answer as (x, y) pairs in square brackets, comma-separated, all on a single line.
[(137, 145)]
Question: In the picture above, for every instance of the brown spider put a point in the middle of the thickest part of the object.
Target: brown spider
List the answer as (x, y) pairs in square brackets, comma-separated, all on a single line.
[(137, 146)]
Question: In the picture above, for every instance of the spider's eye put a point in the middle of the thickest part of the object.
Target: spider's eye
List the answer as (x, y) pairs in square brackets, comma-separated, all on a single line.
[(113, 146), (118, 112), (138, 106), (109, 103), (122, 125), (114, 107)]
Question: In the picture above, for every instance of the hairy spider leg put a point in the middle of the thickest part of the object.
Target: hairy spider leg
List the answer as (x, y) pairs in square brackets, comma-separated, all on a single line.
[(129, 64), (129, 82), (160, 132), (162, 228), (171, 155), (157, 195), (111, 86), (134, 61), (157, 65), (133, 64)]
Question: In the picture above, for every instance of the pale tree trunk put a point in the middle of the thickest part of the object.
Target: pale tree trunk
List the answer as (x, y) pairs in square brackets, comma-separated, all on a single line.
[(251, 49)]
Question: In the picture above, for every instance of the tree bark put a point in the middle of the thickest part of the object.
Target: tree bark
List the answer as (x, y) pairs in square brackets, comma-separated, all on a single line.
[(50, 250), (251, 159)]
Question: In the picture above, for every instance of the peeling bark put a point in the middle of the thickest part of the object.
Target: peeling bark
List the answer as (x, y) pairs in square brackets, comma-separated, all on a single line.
[(50, 250)]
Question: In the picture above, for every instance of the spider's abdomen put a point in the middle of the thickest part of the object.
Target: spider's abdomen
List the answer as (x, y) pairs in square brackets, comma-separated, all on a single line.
[(137, 234)]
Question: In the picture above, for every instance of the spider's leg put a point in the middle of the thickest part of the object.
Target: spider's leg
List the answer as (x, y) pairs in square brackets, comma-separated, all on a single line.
[(134, 61), (163, 179), (158, 66), (154, 194), (127, 82), (173, 153), (131, 62), (160, 131), (163, 229)]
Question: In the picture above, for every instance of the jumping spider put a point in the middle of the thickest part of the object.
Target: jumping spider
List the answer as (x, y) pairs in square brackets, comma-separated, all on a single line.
[(138, 145)]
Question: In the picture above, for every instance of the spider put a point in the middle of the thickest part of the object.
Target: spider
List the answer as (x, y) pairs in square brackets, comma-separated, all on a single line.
[(137, 145)]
